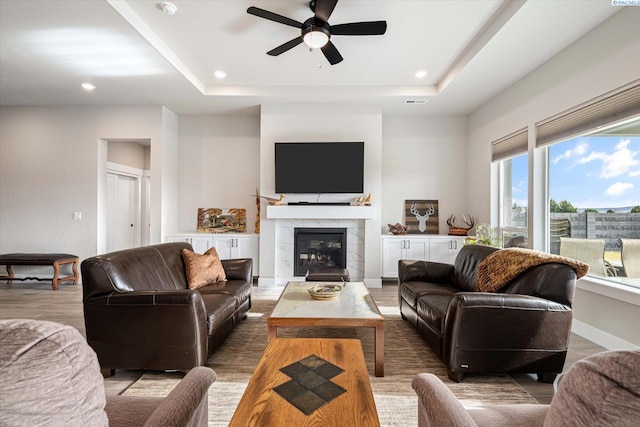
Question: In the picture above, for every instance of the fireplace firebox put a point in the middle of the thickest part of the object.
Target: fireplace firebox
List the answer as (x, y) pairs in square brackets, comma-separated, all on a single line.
[(319, 248)]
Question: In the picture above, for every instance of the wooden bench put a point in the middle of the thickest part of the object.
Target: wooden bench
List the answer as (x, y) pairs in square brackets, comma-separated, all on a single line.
[(54, 260)]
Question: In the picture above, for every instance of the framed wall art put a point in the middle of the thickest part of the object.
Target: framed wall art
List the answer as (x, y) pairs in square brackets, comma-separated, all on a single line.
[(421, 216), (222, 220)]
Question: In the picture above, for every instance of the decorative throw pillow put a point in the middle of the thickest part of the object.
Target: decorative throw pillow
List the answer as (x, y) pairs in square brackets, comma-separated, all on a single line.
[(203, 269)]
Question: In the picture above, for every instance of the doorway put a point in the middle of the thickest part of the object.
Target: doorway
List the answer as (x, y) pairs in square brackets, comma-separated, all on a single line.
[(127, 194)]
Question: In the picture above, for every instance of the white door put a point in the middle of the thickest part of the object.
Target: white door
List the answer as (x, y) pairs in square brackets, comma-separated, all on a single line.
[(122, 211)]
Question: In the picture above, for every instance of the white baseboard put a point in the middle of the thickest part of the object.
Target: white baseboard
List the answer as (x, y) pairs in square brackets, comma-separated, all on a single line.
[(266, 282), (373, 283), (600, 337)]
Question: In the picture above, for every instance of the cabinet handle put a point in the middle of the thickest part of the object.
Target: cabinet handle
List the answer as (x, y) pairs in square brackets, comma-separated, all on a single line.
[(408, 244), (456, 244)]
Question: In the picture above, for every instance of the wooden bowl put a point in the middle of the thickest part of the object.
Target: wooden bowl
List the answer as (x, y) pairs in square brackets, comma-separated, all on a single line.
[(458, 231)]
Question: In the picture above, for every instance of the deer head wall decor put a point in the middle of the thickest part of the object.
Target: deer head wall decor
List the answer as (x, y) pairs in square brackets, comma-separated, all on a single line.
[(422, 218)]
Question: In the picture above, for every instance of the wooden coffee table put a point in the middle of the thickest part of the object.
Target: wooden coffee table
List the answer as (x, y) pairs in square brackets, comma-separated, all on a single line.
[(354, 308), (339, 375)]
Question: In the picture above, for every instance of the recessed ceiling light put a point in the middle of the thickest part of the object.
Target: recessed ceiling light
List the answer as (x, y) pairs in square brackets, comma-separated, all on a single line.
[(168, 8), (415, 101), (220, 74), (88, 86), (421, 74)]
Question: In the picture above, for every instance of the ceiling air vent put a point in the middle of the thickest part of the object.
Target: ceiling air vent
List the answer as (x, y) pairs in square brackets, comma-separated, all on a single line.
[(415, 101)]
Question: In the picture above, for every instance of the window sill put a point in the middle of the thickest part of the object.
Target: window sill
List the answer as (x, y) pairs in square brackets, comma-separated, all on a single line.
[(625, 293)]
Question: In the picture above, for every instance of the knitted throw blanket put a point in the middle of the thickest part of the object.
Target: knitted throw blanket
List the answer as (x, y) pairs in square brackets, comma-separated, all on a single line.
[(502, 266)]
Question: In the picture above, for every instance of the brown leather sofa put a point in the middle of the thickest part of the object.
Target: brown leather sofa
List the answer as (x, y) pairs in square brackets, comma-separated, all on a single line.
[(140, 314), (523, 327)]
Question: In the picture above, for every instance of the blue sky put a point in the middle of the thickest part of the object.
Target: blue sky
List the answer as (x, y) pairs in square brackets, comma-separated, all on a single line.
[(589, 171)]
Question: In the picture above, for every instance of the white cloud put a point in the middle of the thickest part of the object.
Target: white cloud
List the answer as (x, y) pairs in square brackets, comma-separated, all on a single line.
[(578, 150), (634, 173), (618, 189), (621, 161)]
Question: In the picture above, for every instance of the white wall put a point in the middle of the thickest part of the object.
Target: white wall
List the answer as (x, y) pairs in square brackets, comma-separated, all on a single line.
[(603, 60), (49, 168), (166, 200), (127, 153), (424, 158), (315, 123), (219, 166)]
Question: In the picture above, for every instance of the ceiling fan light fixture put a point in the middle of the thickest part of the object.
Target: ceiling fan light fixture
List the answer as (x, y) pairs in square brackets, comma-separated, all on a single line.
[(316, 38)]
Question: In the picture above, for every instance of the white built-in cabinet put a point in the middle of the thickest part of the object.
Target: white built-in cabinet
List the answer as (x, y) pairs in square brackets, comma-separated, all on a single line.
[(435, 248), (229, 246)]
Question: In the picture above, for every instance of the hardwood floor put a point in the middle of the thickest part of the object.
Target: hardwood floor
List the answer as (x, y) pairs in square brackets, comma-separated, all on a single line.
[(38, 301)]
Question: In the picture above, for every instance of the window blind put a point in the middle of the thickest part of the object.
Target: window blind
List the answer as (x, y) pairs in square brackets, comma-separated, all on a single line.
[(510, 146), (615, 106)]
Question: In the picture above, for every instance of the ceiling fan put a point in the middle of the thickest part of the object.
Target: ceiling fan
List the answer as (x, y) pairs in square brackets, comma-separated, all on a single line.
[(316, 31)]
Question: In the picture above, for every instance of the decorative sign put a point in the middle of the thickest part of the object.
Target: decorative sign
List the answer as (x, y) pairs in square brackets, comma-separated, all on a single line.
[(222, 220), (421, 216)]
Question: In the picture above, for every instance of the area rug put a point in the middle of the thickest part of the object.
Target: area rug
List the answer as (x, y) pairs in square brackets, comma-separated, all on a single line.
[(406, 355)]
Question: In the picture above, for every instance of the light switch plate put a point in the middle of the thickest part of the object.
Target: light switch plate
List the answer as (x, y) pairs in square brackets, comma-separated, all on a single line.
[(77, 215)]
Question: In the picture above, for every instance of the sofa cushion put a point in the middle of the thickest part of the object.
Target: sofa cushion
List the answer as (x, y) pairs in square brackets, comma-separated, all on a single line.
[(411, 291), (138, 269), (432, 309), (238, 289), (219, 308), (601, 390), (48, 376), (466, 266), (203, 269)]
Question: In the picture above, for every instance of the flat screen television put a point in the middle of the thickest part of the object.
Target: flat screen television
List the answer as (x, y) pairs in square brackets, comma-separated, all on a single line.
[(319, 167)]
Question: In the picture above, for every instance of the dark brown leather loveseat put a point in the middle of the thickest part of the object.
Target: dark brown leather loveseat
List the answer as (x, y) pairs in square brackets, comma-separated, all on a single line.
[(523, 327), (140, 314)]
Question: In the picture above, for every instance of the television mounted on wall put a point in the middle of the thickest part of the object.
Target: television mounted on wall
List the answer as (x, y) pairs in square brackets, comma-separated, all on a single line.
[(319, 167)]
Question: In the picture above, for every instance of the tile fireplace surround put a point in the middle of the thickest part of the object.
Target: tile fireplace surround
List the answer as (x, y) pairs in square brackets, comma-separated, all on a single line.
[(289, 217)]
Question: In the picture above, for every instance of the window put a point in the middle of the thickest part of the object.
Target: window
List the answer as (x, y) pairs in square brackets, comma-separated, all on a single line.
[(511, 154), (514, 199), (582, 185), (594, 197)]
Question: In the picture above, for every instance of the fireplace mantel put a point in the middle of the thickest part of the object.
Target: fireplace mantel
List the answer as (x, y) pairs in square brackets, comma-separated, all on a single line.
[(320, 212)]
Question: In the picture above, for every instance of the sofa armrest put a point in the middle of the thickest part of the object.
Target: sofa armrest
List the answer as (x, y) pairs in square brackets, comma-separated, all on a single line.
[(160, 297), (479, 321), (185, 405), (424, 271), (437, 405), (136, 325), (238, 269)]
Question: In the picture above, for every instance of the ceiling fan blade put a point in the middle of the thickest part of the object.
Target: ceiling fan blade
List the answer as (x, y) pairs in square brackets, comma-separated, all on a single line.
[(324, 8), (273, 17), (372, 28), (331, 53), (285, 46)]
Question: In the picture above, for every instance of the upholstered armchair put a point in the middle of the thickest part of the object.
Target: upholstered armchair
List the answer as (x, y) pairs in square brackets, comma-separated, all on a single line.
[(601, 390), (50, 376)]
